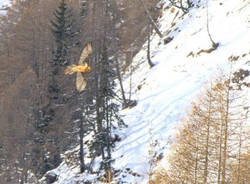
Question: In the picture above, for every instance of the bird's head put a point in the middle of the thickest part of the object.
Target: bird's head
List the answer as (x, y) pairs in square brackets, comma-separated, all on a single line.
[(87, 69)]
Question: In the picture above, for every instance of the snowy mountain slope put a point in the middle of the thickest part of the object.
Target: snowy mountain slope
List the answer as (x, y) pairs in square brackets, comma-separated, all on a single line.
[(169, 87), (165, 92), (3, 4)]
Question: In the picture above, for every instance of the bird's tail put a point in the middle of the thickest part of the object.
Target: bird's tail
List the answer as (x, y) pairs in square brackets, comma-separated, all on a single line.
[(70, 70)]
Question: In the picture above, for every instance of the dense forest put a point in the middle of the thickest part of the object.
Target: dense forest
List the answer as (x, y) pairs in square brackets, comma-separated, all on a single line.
[(41, 112), (63, 64)]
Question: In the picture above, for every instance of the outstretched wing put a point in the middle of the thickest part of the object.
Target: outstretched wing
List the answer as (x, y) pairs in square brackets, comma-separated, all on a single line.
[(80, 82), (81, 68), (86, 52)]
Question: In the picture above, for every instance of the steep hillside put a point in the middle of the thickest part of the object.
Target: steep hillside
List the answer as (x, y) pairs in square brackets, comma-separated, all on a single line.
[(3, 4), (184, 64), (26, 53), (165, 92)]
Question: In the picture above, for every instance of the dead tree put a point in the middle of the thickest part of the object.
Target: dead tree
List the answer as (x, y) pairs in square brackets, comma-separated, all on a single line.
[(151, 19), (151, 64)]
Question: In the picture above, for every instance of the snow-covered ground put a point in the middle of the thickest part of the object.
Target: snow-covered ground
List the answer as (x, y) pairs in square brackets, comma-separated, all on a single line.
[(3, 2), (167, 90), (3, 5)]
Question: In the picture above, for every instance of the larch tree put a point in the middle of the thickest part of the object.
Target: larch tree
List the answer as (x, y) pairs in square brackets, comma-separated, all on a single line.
[(212, 137)]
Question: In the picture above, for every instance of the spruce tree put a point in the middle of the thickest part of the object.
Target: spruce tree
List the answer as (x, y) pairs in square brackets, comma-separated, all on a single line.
[(48, 116), (107, 117), (64, 32), (61, 28)]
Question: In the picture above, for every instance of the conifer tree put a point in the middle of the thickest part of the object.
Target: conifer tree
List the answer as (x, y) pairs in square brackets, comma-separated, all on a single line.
[(104, 97), (62, 29), (48, 114), (106, 112)]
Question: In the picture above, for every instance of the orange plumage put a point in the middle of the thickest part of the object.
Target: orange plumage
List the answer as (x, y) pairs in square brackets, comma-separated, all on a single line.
[(81, 68), (77, 68)]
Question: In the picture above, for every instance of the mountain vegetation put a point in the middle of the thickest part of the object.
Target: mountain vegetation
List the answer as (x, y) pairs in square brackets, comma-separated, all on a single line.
[(52, 122), (42, 115), (211, 143)]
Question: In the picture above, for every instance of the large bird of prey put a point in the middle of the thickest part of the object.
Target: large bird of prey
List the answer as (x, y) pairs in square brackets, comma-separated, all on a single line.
[(81, 68)]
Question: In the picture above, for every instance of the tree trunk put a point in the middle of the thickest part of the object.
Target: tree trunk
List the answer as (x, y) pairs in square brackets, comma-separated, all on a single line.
[(239, 161), (223, 181), (151, 64), (196, 165), (220, 150), (121, 85), (207, 141), (214, 45), (151, 20), (81, 133)]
